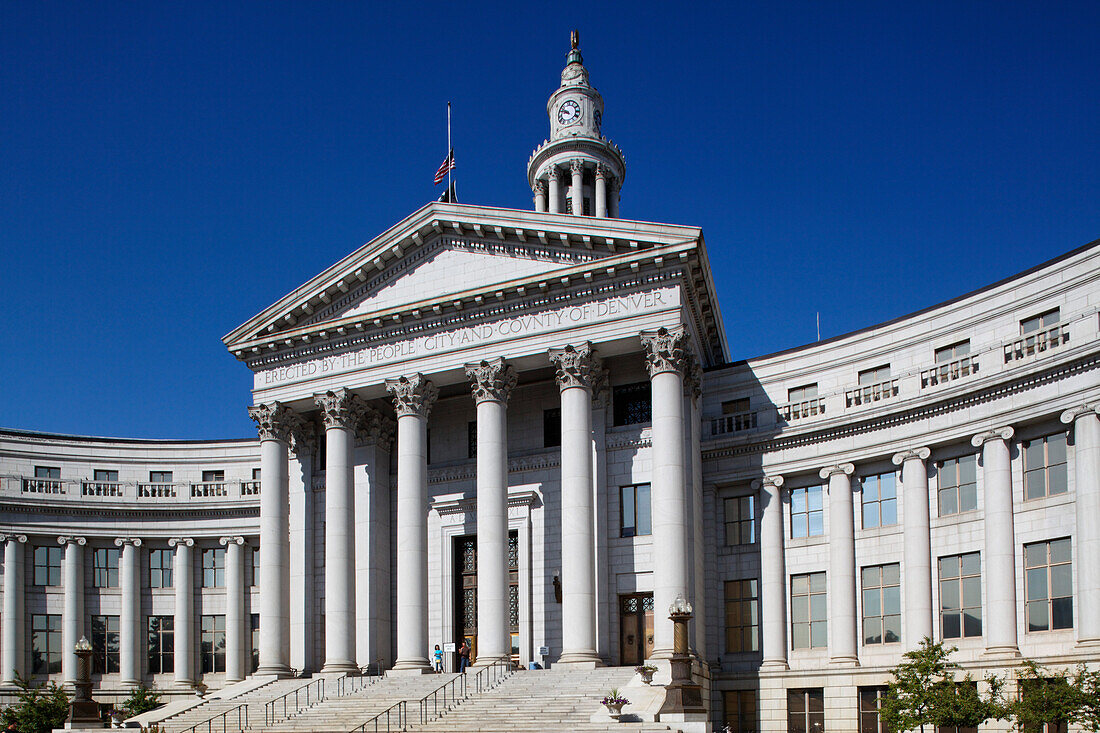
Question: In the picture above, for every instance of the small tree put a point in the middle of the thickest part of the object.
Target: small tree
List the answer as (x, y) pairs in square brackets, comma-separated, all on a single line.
[(959, 705), (40, 708), (142, 699), (1087, 684), (1045, 696)]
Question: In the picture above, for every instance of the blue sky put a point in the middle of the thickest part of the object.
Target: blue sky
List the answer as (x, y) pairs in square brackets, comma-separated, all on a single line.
[(167, 170)]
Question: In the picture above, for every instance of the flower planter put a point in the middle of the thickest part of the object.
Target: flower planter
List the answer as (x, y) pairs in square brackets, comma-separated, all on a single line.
[(614, 709)]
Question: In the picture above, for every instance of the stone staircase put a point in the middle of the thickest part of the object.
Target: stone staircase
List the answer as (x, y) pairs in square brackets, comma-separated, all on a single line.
[(255, 700), (545, 700)]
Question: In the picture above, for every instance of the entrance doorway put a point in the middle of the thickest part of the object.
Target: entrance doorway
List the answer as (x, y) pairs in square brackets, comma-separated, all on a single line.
[(465, 593), (635, 628)]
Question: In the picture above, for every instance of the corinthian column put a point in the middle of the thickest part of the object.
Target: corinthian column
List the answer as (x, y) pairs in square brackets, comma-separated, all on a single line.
[(492, 382), (11, 661), (184, 621), (276, 425), (72, 619), (666, 360), (129, 622), (340, 410), (773, 573), (235, 655), (579, 373), (999, 572), (553, 177), (413, 397), (540, 196), (842, 566), (601, 191), (577, 191), (917, 546), (1086, 480)]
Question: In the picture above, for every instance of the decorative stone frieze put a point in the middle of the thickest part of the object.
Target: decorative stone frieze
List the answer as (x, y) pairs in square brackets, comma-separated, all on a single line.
[(578, 366), (829, 471), (120, 541), (412, 395), (491, 379), (666, 350), (340, 408), (906, 455), (997, 434)]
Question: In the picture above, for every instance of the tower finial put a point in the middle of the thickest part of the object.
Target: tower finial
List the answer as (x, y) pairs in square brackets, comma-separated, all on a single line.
[(574, 39)]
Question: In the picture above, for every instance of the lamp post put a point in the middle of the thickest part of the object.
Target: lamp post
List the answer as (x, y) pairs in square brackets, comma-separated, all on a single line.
[(83, 710), (682, 696)]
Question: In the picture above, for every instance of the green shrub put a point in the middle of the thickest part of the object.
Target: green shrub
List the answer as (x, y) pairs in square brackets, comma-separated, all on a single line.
[(40, 709)]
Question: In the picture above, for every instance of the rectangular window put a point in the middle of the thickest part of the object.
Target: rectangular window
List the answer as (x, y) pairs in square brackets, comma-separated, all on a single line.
[(160, 568), (880, 500), (632, 404), (161, 640), (213, 644), (1039, 322), (1045, 466), (806, 711), (213, 476), (105, 476), (958, 490), (870, 699), (160, 477), (254, 565), (882, 604), (803, 393), (47, 472), (46, 643), (946, 354), (47, 566), (961, 596), (105, 644), (809, 614), (471, 439), (740, 710), (742, 616), (254, 620), (551, 427), (636, 517), (740, 520), (735, 407), (1048, 572), (956, 729), (213, 568), (105, 567), (874, 376), (807, 516)]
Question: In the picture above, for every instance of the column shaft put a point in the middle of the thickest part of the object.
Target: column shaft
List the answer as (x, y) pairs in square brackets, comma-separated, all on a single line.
[(540, 196), (184, 621), (554, 179), (1086, 474), (577, 190), (773, 572), (412, 543), (493, 637), (339, 551), (601, 194), (274, 559), (11, 662), (613, 201), (669, 505), (129, 622), (842, 566), (236, 668), (72, 621), (999, 571), (917, 550)]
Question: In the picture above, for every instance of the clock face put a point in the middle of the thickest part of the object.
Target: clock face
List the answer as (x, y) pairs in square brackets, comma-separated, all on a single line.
[(569, 112)]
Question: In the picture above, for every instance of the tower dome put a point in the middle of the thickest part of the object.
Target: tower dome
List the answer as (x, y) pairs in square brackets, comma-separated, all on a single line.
[(577, 170)]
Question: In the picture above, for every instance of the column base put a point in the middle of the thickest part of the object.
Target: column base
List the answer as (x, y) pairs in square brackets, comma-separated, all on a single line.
[(342, 666), (579, 660), (844, 661), (410, 667), (1001, 652), (1091, 643), (774, 665), (279, 671)]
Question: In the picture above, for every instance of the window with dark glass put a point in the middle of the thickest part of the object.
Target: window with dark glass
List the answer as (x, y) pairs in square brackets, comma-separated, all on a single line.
[(809, 611), (551, 427), (213, 644), (213, 568), (636, 518), (742, 616), (631, 404), (46, 643), (160, 568), (47, 472), (870, 700), (105, 567), (161, 643), (1048, 576), (880, 500), (1039, 322), (807, 515), (958, 485), (47, 566), (881, 604), (740, 520), (806, 711), (160, 477), (1045, 466), (254, 622), (105, 644), (961, 596), (471, 439), (209, 477), (100, 476), (740, 710), (254, 566)]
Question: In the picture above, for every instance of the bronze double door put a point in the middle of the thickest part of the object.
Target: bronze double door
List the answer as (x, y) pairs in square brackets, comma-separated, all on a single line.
[(635, 628), (465, 592)]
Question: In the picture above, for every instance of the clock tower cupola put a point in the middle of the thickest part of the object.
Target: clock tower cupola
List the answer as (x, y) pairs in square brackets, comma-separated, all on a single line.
[(577, 171)]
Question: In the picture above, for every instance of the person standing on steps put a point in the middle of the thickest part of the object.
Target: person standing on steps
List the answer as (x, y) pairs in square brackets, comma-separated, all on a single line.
[(438, 656), (464, 656)]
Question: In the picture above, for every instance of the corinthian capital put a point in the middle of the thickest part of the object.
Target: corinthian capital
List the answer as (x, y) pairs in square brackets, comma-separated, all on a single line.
[(340, 408), (275, 421), (666, 350), (576, 165), (491, 379), (412, 395), (693, 377), (374, 428), (552, 173), (999, 434), (577, 366), (540, 187), (602, 171)]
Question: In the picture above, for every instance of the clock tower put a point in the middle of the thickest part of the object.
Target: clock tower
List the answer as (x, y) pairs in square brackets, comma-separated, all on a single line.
[(577, 171)]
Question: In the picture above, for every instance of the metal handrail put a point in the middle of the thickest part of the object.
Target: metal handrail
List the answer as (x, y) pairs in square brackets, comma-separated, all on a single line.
[(348, 684), (375, 668), (210, 727), (490, 676), (449, 692), (305, 692), (398, 711)]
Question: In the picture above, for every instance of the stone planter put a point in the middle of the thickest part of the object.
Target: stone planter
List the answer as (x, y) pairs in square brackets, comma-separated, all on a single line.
[(647, 676), (614, 709)]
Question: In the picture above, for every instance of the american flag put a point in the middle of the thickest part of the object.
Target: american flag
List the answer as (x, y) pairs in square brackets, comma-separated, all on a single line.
[(447, 165)]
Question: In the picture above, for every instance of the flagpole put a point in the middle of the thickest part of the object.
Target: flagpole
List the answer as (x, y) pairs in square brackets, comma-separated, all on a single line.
[(450, 153)]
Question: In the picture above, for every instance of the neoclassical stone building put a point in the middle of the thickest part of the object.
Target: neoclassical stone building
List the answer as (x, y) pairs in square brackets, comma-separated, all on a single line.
[(526, 429)]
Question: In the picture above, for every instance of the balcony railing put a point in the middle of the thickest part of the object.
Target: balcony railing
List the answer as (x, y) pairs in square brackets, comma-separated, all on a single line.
[(250, 488), (1039, 342), (43, 486), (802, 409), (733, 423), (210, 488), (156, 491), (948, 372), (100, 488), (870, 393)]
